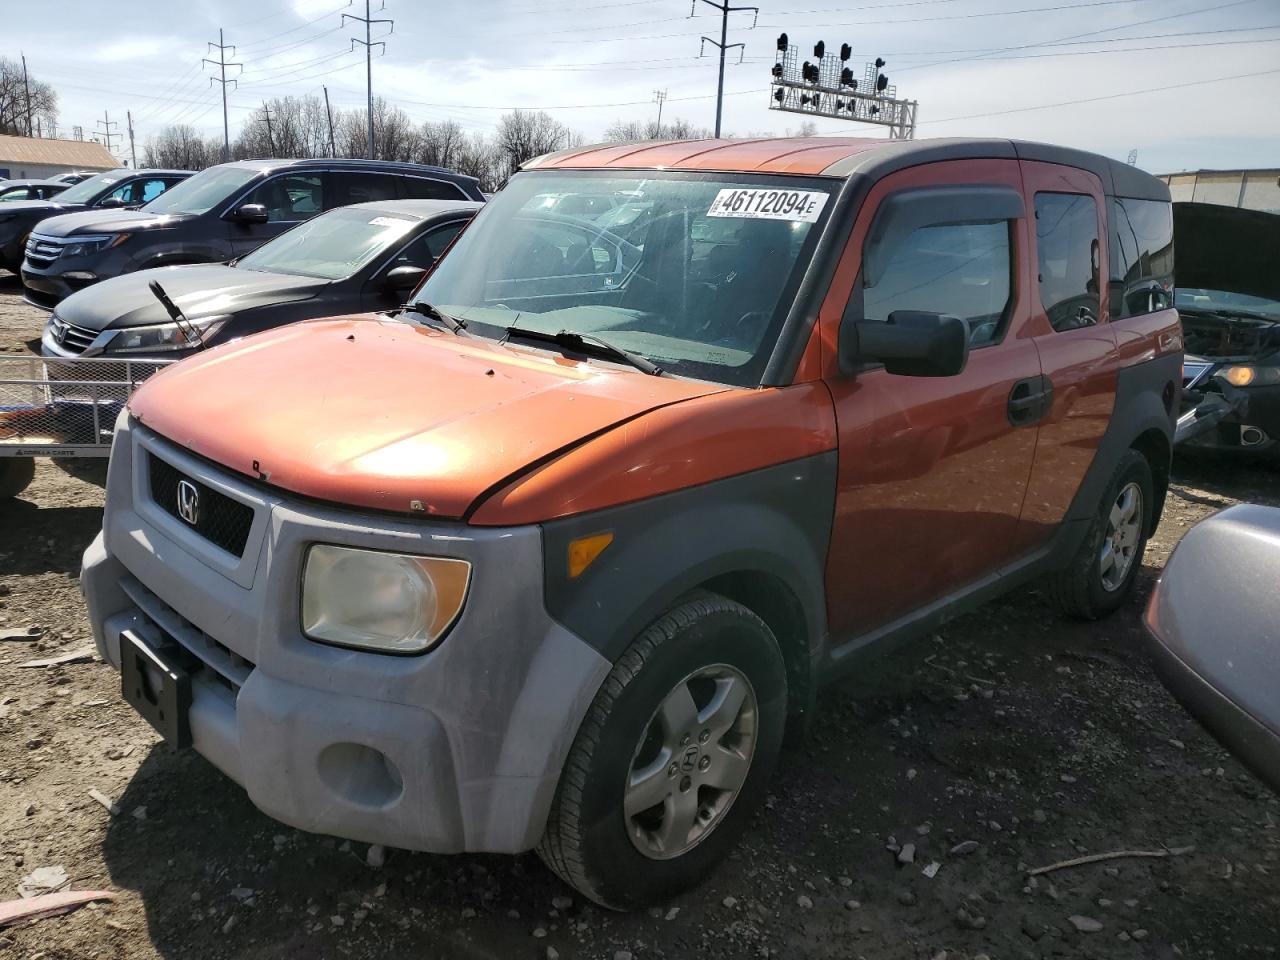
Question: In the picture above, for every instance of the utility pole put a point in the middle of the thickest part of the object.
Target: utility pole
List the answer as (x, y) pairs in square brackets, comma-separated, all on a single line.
[(266, 118), (133, 153), (222, 64), (105, 133), (329, 114), (27, 87), (659, 97), (368, 43), (723, 45)]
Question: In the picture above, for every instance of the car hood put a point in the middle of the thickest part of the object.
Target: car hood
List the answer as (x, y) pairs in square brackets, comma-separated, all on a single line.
[(203, 290), (1209, 336), (381, 414), (106, 221), (1226, 248)]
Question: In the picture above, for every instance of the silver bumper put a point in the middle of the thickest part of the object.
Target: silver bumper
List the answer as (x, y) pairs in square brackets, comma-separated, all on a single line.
[(458, 749)]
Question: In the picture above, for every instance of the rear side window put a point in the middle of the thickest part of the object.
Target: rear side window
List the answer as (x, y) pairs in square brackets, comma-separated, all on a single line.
[(960, 269), (1068, 257), (1141, 256), (360, 187), (420, 188)]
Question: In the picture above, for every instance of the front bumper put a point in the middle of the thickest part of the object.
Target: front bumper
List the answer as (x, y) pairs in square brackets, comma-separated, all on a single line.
[(1237, 420), (458, 749), (45, 290)]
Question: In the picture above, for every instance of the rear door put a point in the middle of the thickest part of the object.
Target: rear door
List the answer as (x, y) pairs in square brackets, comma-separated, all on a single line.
[(1077, 346), (932, 471)]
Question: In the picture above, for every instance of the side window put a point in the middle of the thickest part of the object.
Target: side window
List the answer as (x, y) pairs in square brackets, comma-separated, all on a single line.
[(420, 188), (358, 187), (126, 193), (1141, 256), (150, 190), (1068, 257), (961, 269), (423, 251), (290, 197)]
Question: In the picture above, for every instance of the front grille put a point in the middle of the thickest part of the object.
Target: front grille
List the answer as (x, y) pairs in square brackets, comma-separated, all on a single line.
[(71, 338), (223, 665), (42, 251), (222, 521)]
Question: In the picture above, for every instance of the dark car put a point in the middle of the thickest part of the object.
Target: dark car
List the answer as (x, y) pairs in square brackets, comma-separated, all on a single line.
[(116, 188), (1229, 299), (12, 191), (74, 177), (1215, 625), (364, 257), (219, 214)]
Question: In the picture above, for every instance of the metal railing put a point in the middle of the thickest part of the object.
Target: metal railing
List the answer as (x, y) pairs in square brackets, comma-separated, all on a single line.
[(52, 407)]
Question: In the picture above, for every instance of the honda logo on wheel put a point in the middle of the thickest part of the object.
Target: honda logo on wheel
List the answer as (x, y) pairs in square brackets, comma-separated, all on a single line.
[(188, 502)]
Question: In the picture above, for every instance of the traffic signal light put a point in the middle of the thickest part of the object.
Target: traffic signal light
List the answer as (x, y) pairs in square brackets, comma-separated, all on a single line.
[(782, 41), (879, 62), (846, 77), (882, 81), (820, 49), (777, 70), (804, 99), (846, 52), (779, 94)]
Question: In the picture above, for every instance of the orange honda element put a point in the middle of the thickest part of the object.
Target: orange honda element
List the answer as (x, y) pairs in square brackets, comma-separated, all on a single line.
[(671, 436)]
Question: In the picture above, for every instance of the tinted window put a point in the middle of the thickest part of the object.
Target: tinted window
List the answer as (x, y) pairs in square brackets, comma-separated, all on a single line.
[(348, 188), (15, 193), (291, 197), (422, 251), (138, 191), (959, 269), (1067, 252), (1141, 256), (331, 247), (420, 188)]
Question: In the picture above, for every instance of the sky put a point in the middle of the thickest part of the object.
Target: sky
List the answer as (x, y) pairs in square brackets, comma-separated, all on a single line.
[(1188, 84)]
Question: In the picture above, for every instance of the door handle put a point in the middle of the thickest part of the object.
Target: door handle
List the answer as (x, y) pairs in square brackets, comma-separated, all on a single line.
[(1030, 400)]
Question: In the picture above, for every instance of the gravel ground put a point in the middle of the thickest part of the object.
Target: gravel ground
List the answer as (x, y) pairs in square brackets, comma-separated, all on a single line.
[(1011, 740)]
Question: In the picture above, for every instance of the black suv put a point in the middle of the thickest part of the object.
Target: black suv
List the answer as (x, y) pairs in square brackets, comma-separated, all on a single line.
[(219, 214), (116, 188)]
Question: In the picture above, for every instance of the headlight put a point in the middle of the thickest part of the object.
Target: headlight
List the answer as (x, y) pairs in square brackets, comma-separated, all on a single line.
[(388, 602), (1251, 376), (164, 336), (82, 246)]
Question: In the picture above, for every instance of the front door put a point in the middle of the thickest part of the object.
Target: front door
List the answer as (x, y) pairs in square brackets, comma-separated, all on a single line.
[(289, 199), (932, 471)]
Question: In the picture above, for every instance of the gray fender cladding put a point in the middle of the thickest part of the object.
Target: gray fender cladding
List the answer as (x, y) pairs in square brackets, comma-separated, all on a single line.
[(774, 522)]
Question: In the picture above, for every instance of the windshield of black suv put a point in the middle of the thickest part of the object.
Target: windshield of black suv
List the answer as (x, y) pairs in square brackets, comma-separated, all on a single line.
[(332, 246), (1221, 301), (203, 192), (694, 272), (87, 190)]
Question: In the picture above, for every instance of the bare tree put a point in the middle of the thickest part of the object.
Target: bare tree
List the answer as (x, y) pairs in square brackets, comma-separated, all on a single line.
[(677, 129), (13, 101), (525, 134), (181, 147)]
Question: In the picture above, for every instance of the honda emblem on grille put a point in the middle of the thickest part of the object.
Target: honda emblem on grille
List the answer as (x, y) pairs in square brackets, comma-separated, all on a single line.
[(188, 502)]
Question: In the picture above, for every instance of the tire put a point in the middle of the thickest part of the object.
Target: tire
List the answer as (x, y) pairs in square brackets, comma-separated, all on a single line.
[(706, 645), (16, 474), (1085, 589)]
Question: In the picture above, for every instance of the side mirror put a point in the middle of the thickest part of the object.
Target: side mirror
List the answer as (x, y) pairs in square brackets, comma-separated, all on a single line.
[(911, 343), (248, 213), (111, 202), (401, 280)]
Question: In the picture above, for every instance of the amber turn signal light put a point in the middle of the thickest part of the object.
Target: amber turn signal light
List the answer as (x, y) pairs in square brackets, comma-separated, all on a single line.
[(584, 550)]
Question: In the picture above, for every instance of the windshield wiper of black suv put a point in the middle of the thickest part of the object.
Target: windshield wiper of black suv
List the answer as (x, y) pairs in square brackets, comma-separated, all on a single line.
[(587, 343), (425, 309)]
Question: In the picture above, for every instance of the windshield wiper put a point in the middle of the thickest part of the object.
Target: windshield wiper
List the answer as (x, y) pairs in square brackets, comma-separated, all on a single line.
[(425, 309), (587, 343)]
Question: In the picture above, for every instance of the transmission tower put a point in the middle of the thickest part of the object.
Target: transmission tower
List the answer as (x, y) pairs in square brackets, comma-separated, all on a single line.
[(107, 123), (723, 45), (222, 64), (369, 43)]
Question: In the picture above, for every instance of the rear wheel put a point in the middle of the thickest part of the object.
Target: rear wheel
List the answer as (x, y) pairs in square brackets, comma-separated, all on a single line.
[(1101, 576), (16, 474), (673, 758)]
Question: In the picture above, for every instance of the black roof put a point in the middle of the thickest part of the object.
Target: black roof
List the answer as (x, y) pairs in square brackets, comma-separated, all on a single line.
[(5, 184), (392, 166)]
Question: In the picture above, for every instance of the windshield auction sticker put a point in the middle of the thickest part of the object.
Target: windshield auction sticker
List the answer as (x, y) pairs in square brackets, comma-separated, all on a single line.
[(802, 206)]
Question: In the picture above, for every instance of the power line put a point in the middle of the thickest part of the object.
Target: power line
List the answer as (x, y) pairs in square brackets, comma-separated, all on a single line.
[(266, 118), (107, 123), (369, 43), (221, 64), (722, 45)]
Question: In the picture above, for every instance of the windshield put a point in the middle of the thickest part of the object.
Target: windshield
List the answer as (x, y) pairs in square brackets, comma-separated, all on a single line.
[(1221, 301), (86, 190), (698, 276), (203, 192), (332, 246)]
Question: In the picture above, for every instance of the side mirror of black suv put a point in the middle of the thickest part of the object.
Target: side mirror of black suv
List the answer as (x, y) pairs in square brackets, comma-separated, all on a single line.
[(400, 280), (911, 343), (248, 213), (110, 203)]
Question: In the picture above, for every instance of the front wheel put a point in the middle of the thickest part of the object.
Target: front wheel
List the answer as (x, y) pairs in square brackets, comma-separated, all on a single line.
[(673, 757), (1101, 576)]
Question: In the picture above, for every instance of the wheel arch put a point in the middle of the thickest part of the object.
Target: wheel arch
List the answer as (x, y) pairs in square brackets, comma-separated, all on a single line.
[(1157, 449)]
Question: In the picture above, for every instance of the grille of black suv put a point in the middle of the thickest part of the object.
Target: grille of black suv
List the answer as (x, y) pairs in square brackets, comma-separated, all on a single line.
[(219, 519)]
